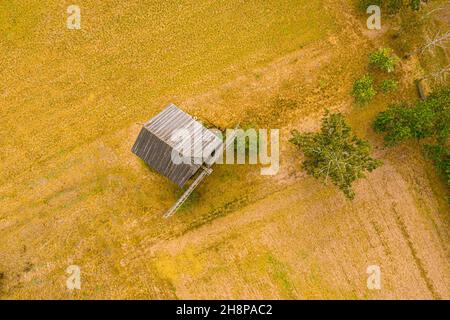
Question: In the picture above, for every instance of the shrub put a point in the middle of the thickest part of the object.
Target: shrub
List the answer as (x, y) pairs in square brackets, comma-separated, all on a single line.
[(383, 59), (363, 89), (396, 123), (427, 119), (415, 5), (364, 4), (335, 153), (403, 122), (389, 85)]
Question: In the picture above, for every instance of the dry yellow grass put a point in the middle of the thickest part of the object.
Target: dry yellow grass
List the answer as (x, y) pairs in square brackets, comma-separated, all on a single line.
[(72, 193)]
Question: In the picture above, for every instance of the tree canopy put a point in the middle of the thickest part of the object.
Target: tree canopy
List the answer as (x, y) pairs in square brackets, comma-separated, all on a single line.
[(428, 119), (335, 153)]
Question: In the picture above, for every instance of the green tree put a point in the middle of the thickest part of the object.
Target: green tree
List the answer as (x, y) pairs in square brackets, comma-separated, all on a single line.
[(428, 119), (383, 59), (401, 123), (363, 90), (335, 153)]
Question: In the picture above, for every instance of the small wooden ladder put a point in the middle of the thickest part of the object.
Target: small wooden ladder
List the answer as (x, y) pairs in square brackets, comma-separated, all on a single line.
[(206, 170)]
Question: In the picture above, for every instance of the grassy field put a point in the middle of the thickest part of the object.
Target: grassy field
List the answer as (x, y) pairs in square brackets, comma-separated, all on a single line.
[(71, 192), (126, 62)]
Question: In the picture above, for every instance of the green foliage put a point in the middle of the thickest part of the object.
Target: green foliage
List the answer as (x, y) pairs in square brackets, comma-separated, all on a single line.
[(439, 103), (394, 121), (427, 119), (363, 89), (414, 5), (246, 137), (390, 6), (440, 155), (388, 85), (335, 153), (364, 4), (383, 59), (243, 141)]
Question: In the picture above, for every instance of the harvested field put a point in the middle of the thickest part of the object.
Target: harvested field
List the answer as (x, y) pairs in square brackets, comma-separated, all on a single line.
[(71, 193)]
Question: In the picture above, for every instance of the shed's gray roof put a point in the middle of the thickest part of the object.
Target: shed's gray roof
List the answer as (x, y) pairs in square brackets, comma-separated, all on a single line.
[(156, 142)]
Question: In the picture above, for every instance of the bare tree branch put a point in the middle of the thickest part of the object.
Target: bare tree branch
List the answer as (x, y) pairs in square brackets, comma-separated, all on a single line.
[(439, 75), (437, 41)]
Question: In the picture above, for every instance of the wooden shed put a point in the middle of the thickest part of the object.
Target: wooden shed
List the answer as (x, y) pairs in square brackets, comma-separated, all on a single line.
[(155, 144)]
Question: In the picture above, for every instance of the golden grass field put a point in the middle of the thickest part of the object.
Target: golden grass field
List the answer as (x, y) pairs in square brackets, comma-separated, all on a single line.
[(71, 192)]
